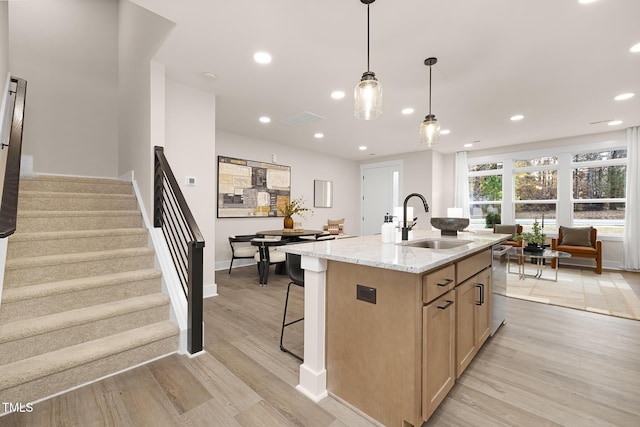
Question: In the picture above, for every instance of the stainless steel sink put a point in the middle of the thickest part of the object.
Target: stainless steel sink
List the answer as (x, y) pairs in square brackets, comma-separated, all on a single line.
[(438, 243)]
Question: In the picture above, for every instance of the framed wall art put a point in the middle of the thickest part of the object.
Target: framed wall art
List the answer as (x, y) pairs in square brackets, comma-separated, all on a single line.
[(251, 189)]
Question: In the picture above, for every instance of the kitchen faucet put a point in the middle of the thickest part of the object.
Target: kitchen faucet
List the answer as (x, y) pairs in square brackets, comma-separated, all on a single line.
[(405, 228)]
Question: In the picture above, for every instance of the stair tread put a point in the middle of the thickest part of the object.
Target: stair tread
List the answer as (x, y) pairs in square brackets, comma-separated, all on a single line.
[(98, 213), (42, 365), (71, 285), (79, 316), (68, 178), (70, 234), (63, 194), (74, 258)]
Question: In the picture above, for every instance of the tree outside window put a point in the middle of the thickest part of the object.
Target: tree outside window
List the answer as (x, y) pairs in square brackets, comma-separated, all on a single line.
[(598, 190), (485, 188)]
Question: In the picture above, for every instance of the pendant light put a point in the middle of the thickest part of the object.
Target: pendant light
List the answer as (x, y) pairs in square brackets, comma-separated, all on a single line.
[(430, 128), (368, 93)]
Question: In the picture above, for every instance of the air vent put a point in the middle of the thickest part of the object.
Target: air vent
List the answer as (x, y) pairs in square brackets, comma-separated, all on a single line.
[(301, 119)]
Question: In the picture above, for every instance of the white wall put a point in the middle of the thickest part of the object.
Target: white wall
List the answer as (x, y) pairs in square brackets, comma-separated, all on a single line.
[(4, 41), (67, 52), (4, 82), (443, 182), (190, 149), (140, 34), (306, 166)]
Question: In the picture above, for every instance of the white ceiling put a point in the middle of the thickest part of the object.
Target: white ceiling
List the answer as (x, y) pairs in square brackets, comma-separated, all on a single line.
[(558, 62)]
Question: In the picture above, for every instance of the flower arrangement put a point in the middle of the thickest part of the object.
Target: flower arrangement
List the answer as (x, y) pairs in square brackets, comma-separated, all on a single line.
[(536, 236), (295, 207)]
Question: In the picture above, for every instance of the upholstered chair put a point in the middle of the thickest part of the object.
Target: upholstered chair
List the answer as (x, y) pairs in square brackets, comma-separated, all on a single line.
[(514, 230), (579, 242), (241, 247)]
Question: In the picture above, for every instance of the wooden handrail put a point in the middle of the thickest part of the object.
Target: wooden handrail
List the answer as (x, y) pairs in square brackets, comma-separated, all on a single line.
[(9, 204), (174, 221)]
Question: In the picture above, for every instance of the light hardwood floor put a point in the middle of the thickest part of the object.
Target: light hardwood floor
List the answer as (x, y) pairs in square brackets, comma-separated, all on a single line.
[(548, 366)]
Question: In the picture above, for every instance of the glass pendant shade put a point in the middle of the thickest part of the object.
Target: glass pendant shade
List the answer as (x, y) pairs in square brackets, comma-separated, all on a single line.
[(430, 131), (368, 97)]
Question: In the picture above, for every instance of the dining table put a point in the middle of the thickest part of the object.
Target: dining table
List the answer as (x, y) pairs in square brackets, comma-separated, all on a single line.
[(291, 235), (264, 243)]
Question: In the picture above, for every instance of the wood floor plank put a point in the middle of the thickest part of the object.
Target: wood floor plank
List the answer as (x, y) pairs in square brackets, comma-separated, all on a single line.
[(181, 387), (227, 389), (145, 402), (264, 415), (212, 413), (287, 400)]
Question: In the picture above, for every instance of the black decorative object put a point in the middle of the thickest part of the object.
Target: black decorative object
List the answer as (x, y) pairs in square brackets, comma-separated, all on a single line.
[(533, 248)]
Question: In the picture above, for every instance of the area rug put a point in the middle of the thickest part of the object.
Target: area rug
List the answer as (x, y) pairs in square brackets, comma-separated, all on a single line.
[(607, 293)]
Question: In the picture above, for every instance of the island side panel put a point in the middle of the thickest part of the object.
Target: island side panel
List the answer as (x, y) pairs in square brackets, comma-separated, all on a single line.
[(374, 351)]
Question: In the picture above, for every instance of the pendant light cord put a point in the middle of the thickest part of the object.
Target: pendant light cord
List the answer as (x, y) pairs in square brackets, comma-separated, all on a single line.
[(429, 89), (368, 67)]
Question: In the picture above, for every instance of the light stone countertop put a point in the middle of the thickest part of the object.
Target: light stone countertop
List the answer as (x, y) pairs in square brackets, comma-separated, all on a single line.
[(369, 250)]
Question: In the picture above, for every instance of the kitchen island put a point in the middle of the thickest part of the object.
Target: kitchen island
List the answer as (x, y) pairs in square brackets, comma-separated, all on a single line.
[(389, 327)]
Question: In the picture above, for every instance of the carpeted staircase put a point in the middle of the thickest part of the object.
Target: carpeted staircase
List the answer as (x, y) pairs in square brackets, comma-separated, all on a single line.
[(81, 297)]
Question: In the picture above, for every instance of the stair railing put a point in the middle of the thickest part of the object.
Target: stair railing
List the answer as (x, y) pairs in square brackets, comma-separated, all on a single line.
[(9, 204), (184, 240)]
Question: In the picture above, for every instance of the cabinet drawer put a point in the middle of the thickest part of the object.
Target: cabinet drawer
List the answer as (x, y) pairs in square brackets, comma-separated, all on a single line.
[(437, 283), (472, 265)]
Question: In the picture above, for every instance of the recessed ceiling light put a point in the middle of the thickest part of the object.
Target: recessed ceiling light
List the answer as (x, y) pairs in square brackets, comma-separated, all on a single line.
[(265, 119), (318, 135), (517, 117), (586, 1), (635, 48), (337, 94), (407, 110), (362, 147), (615, 122), (624, 96), (262, 57), (468, 145), (445, 132)]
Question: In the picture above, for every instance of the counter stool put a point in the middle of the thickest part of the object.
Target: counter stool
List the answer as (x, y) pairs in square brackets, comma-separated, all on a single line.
[(296, 274)]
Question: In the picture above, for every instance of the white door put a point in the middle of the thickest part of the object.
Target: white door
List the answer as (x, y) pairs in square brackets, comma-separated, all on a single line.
[(380, 193)]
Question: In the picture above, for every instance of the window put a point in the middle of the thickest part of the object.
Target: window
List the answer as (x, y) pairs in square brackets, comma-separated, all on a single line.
[(598, 190), (535, 191), (578, 185), (485, 188)]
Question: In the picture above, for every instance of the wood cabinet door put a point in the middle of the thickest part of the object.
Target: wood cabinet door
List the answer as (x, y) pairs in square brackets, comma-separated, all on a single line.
[(483, 306), (438, 354), (465, 325)]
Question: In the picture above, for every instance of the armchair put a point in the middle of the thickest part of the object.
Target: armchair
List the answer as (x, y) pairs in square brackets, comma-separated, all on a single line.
[(514, 230), (241, 247), (579, 242)]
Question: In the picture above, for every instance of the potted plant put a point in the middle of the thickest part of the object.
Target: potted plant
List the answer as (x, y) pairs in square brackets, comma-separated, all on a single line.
[(535, 239), (493, 218), (294, 207)]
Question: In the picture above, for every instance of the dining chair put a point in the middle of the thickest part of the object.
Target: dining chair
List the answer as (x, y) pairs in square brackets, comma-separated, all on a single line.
[(266, 256), (241, 247)]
